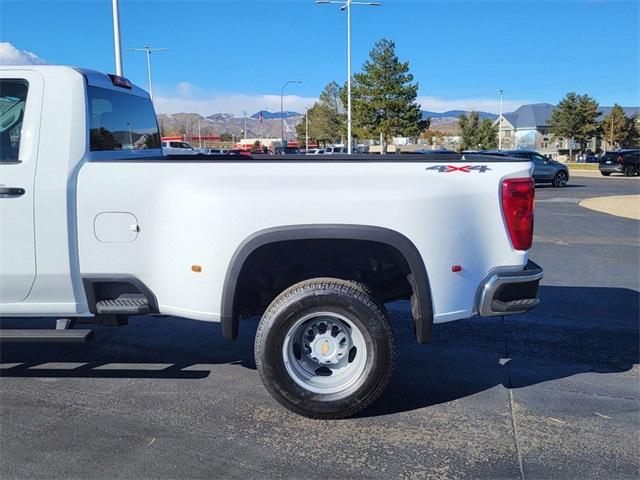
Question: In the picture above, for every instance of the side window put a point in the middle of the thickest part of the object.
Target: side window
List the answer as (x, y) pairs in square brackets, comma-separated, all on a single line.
[(121, 121), (13, 98)]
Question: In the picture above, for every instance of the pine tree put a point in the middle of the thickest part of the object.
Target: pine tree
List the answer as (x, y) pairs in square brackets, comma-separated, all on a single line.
[(326, 116), (384, 96), (615, 127), (575, 118), (488, 134), (634, 131), (470, 131)]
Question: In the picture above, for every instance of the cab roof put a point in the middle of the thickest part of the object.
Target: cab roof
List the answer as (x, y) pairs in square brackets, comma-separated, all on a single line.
[(93, 77)]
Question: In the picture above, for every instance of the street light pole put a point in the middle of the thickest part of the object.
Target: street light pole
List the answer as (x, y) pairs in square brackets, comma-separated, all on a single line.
[(116, 36), (500, 123), (282, 106), (148, 51), (346, 5)]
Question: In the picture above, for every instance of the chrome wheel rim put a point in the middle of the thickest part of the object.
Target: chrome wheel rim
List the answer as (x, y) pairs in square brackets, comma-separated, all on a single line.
[(325, 353)]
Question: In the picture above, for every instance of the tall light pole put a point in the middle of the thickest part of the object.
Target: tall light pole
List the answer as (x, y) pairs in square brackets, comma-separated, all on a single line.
[(148, 50), (282, 106), (500, 123), (346, 5), (116, 36)]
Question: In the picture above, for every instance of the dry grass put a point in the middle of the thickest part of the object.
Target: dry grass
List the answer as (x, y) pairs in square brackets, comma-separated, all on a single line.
[(582, 166)]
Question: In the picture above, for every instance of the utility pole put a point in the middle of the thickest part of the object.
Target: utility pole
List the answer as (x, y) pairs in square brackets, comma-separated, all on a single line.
[(500, 123), (148, 50), (346, 5), (116, 36), (282, 107)]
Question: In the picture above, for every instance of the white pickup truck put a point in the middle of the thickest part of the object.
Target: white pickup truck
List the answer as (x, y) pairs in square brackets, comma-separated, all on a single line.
[(98, 225)]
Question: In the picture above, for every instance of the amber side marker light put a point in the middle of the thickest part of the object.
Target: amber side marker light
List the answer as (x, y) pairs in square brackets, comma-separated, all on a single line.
[(196, 268)]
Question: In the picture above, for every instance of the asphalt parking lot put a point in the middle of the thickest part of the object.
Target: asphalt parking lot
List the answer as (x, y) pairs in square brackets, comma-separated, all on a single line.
[(551, 394)]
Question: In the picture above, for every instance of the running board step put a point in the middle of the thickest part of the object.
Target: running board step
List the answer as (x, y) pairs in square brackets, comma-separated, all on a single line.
[(42, 335), (125, 304)]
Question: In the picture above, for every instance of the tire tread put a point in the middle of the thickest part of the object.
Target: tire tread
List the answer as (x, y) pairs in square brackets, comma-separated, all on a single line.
[(346, 287)]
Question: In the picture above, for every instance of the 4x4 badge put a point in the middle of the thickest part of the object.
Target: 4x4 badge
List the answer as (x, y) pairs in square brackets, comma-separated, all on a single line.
[(464, 168)]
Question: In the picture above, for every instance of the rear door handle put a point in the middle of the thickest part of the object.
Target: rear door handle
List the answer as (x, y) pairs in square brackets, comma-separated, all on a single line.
[(11, 192)]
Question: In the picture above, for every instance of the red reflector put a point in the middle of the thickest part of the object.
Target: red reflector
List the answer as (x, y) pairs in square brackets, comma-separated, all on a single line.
[(456, 268), (517, 204)]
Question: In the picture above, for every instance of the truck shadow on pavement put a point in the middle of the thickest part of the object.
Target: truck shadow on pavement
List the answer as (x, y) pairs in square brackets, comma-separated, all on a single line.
[(545, 186), (575, 330)]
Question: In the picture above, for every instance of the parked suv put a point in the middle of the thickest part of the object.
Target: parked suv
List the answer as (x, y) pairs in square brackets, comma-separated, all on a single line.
[(545, 170), (625, 161)]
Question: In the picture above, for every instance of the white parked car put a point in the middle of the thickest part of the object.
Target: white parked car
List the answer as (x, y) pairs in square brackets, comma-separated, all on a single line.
[(335, 149), (109, 227), (173, 147)]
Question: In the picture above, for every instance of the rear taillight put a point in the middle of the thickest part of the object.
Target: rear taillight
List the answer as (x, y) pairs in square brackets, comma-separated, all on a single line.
[(517, 204), (620, 160)]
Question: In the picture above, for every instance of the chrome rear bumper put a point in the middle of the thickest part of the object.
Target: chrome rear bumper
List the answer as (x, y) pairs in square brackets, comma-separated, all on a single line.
[(507, 293)]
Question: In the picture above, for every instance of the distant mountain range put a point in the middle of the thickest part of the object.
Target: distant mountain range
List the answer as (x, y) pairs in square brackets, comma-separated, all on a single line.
[(267, 115), (270, 126), (455, 114), (425, 114), (228, 123)]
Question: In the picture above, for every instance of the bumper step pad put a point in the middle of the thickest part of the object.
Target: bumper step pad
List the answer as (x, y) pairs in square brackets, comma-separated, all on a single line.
[(515, 305), (125, 304)]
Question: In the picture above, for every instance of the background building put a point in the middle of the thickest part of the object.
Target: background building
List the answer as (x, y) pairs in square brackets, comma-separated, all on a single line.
[(526, 128)]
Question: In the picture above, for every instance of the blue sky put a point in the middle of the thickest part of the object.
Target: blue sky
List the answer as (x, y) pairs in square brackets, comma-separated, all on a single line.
[(235, 55)]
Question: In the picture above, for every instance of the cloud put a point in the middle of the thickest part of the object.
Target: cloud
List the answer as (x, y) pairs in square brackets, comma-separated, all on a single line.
[(439, 104), (10, 55)]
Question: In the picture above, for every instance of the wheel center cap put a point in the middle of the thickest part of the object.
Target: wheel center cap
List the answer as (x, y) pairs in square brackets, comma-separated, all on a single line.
[(324, 349)]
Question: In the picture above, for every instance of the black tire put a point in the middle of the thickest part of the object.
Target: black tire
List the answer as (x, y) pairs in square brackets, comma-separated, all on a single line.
[(348, 299), (629, 171), (560, 180), (606, 174)]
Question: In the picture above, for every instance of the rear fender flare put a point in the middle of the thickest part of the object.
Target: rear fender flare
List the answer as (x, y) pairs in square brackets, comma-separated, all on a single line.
[(422, 307)]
